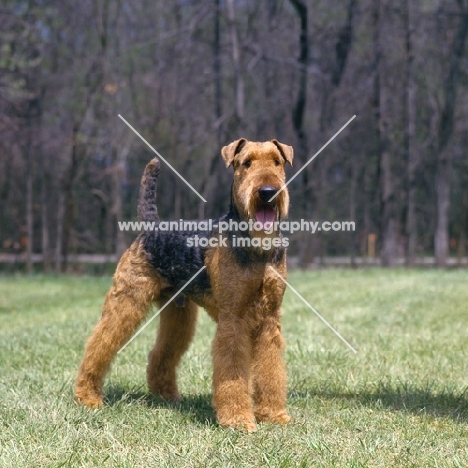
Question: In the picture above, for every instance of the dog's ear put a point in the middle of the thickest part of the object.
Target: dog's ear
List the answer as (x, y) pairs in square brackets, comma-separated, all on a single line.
[(229, 152), (286, 151)]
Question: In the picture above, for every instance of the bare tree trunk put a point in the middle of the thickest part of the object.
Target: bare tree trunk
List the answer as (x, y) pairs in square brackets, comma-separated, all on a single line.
[(387, 214), (46, 264), (217, 72), (445, 156), (121, 244), (69, 207), (4, 195), (461, 246), (342, 49), (306, 248), (443, 178), (29, 204), (95, 77), (59, 238), (343, 45), (386, 179), (210, 182), (461, 250), (412, 159), (236, 55), (32, 118), (352, 209), (301, 100), (117, 176), (367, 222), (44, 217)]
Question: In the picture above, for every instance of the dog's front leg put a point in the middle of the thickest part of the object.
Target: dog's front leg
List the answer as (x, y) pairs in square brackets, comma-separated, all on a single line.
[(269, 373), (231, 366)]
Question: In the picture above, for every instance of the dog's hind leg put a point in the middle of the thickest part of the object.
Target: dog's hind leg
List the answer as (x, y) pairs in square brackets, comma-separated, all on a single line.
[(176, 330), (135, 286)]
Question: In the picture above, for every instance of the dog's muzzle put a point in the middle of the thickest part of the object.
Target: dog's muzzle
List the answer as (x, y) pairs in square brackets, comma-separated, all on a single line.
[(266, 213)]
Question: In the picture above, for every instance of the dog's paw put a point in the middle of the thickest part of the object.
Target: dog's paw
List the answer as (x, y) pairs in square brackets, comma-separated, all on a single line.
[(171, 396), (239, 424), (239, 420), (89, 400), (266, 415), (166, 392), (247, 426), (281, 418)]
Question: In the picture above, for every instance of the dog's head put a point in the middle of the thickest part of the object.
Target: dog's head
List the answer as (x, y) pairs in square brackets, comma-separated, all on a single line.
[(259, 178)]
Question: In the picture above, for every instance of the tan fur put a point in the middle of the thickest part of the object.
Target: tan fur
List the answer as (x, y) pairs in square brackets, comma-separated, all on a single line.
[(249, 376)]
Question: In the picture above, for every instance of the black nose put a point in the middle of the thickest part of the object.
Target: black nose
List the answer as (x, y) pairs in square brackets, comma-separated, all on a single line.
[(266, 193)]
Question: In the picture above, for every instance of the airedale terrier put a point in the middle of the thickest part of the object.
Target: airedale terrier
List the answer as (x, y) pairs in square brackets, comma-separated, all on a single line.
[(237, 289)]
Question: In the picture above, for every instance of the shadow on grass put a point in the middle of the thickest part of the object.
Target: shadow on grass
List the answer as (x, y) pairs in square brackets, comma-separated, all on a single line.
[(405, 398), (197, 407)]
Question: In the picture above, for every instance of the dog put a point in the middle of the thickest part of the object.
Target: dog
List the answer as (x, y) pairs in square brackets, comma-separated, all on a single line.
[(238, 288)]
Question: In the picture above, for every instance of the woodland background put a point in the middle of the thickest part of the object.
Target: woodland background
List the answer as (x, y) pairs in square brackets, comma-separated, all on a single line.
[(192, 76)]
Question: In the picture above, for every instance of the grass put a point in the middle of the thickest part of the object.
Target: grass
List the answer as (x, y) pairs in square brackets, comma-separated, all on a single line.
[(400, 401)]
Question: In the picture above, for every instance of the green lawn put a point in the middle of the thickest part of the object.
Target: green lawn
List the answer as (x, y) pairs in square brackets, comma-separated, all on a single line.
[(400, 401)]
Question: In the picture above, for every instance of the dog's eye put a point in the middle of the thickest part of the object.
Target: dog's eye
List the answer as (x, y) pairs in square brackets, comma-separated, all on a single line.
[(247, 163), (277, 163)]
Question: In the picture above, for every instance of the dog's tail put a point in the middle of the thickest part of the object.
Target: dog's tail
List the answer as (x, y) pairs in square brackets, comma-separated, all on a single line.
[(147, 209)]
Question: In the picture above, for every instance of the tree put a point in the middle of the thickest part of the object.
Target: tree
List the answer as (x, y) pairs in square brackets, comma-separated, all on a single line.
[(445, 131)]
